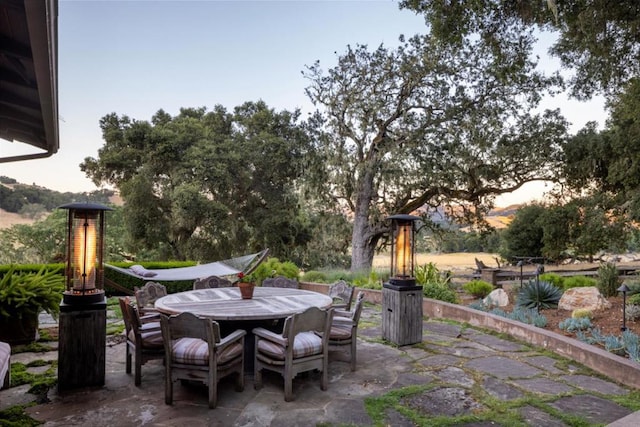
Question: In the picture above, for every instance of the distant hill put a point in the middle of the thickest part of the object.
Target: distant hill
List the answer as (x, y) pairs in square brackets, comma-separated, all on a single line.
[(20, 203), (12, 193)]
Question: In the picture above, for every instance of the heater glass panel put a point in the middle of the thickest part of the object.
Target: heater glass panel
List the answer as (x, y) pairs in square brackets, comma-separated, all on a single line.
[(84, 256), (403, 254)]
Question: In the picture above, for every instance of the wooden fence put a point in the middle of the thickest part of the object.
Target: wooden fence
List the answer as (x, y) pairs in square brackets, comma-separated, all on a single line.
[(499, 276)]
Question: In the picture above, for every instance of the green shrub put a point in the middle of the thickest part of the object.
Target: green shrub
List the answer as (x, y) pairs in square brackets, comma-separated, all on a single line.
[(429, 274), (314, 276), (578, 282), (633, 285), (367, 281), (553, 278), (478, 288), (634, 299), (632, 312), (441, 292), (575, 324), (581, 313), (273, 267), (608, 279), (25, 293), (528, 316), (538, 295)]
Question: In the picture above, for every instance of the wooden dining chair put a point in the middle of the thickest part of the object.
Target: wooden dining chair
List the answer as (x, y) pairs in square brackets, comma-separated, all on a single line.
[(212, 282), (344, 331), (342, 295), (302, 346), (146, 296), (144, 340), (280, 282), (194, 350)]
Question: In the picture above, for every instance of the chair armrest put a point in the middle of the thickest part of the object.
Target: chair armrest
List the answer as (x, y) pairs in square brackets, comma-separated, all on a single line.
[(150, 327), (270, 336), (231, 338)]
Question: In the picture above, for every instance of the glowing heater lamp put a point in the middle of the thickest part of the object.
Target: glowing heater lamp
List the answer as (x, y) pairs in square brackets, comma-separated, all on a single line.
[(401, 297), (402, 250), (83, 310), (85, 242)]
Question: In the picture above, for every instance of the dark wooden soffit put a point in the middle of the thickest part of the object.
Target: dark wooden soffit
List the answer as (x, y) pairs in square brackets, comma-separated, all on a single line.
[(29, 76)]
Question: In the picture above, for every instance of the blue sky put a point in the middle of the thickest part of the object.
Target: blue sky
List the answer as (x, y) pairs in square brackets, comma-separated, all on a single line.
[(135, 57)]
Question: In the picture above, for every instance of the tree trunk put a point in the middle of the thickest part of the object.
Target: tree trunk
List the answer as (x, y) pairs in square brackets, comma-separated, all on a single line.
[(362, 241), (361, 249)]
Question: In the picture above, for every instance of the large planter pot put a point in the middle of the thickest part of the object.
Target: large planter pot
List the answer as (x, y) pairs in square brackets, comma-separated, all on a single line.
[(246, 289), (15, 330)]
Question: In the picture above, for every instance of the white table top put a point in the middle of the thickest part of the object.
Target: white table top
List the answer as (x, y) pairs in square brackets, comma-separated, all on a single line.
[(227, 304)]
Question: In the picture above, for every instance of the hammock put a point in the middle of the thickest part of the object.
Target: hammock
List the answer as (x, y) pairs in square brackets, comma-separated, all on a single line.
[(245, 264)]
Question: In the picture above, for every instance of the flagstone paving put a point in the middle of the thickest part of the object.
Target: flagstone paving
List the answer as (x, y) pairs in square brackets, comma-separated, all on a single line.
[(457, 376)]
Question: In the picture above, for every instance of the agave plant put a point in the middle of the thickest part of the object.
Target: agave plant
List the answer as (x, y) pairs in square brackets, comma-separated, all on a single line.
[(538, 295)]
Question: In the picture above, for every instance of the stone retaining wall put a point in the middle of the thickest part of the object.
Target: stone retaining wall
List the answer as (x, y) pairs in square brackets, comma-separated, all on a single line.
[(617, 368)]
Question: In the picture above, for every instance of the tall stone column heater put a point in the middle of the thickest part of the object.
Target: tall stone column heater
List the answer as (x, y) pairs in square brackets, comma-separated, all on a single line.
[(83, 310), (401, 297)]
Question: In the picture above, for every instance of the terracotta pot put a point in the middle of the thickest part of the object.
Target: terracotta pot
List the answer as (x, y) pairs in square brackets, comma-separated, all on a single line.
[(246, 289)]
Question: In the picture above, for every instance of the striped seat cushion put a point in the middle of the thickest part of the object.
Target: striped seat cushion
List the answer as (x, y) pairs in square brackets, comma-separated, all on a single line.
[(340, 332), (194, 351), (151, 335), (305, 344)]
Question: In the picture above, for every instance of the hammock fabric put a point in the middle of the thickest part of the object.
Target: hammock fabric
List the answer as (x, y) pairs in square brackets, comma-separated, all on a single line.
[(245, 264)]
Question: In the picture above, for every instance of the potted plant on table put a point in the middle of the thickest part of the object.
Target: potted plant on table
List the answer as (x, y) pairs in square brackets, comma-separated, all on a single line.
[(246, 285), (23, 295)]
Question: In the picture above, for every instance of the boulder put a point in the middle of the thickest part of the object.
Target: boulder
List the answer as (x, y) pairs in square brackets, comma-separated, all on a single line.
[(588, 298), (497, 298)]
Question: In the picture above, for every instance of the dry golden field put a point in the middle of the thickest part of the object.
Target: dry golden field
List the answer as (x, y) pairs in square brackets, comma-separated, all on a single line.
[(461, 261), (7, 219)]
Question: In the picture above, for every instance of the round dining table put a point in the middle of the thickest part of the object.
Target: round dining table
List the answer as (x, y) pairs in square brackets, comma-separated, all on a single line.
[(226, 304), (267, 309)]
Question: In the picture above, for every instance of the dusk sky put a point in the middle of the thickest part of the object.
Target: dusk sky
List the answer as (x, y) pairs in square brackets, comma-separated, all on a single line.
[(136, 57)]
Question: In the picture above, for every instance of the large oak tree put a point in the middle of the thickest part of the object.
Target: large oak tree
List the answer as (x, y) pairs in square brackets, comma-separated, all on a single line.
[(431, 124), (207, 185)]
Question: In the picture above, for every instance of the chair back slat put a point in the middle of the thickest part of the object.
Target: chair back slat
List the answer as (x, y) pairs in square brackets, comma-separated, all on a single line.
[(280, 282), (312, 319), (149, 293), (212, 282), (188, 325), (342, 294), (357, 308)]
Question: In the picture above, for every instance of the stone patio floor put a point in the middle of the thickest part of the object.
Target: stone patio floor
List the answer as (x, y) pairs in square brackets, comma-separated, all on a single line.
[(457, 376)]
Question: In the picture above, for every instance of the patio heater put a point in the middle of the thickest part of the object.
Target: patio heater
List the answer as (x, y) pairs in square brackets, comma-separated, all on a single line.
[(83, 310), (401, 297)]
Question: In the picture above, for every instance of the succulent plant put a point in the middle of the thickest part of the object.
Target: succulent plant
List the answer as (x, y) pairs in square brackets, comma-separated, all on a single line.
[(538, 295)]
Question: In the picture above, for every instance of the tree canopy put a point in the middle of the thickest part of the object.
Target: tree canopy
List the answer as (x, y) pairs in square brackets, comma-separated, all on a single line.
[(599, 40), (430, 124), (207, 185)]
